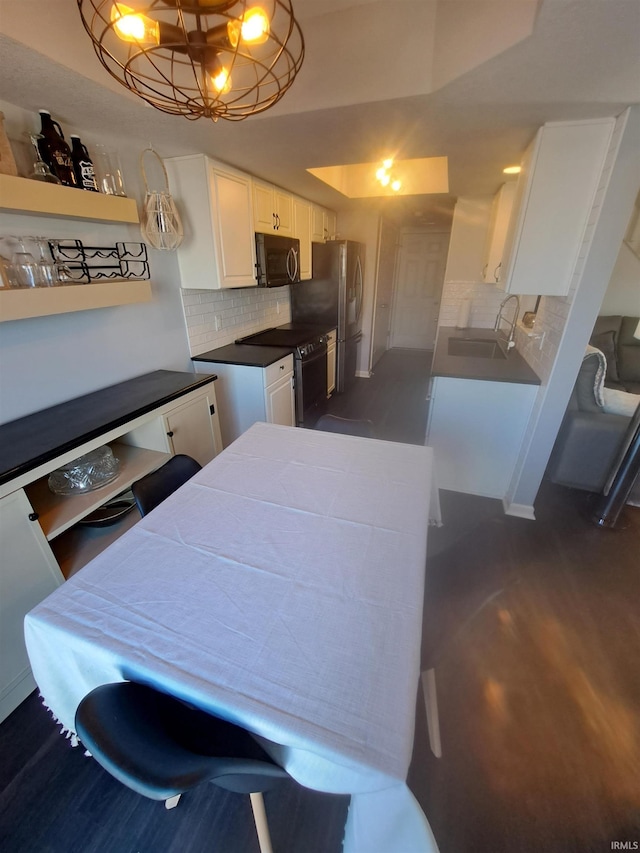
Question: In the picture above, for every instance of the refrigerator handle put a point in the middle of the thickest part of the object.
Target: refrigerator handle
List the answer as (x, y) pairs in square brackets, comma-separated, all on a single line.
[(358, 287)]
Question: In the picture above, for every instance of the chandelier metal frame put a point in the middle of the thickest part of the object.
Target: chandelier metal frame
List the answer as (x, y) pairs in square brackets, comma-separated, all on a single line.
[(175, 74)]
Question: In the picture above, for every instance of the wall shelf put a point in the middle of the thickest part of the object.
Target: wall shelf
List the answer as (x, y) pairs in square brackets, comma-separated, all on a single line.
[(21, 303), (23, 195)]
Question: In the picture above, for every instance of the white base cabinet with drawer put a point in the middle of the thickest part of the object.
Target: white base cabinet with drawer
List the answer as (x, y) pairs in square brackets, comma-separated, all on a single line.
[(42, 534), (249, 393)]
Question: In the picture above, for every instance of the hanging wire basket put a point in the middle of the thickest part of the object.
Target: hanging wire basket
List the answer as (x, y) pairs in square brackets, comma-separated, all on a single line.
[(160, 222)]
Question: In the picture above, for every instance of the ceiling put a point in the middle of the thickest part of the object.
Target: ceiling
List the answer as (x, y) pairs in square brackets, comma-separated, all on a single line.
[(470, 80)]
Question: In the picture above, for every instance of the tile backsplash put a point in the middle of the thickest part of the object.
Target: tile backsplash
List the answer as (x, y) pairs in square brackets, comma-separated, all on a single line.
[(215, 318)]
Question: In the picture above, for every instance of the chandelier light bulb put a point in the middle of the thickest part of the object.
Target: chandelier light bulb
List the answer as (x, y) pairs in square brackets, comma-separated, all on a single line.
[(381, 173), (254, 28), (133, 27), (395, 185), (221, 80), (384, 180)]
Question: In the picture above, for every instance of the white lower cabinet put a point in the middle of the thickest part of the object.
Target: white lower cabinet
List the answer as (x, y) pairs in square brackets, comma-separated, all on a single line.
[(29, 574), (249, 393), (476, 430), (43, 537), (331, 362)]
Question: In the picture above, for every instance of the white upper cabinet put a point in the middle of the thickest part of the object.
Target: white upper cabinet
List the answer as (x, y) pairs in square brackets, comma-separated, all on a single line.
[(217, 206), (497, 234), (323, 224), (553, 202), (302, 230), (272, 210)]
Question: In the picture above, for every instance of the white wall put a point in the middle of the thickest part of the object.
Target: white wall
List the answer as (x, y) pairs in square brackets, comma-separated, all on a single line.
[(623, 292), (46, 360), (578, 310)]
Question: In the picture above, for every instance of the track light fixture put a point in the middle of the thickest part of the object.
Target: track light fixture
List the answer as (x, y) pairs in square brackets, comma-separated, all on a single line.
[(213, 58)]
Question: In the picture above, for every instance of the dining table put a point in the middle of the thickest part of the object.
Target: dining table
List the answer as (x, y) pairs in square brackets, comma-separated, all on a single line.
[(280, 588)]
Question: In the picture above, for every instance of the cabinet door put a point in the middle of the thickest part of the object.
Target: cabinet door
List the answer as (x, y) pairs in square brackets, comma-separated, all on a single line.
[(500, 218), (302, 230), (190, 430), (317, 224), (264, 212), (284, 212), (554, 199), (29, 574), (331, 369), (329, 225), (234, 229), (280, 402)]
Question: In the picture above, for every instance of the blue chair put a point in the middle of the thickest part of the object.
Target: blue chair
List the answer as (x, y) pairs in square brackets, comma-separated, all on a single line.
[(161, 747)]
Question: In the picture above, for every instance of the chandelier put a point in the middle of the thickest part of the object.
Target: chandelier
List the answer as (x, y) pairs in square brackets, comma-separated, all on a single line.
[(213, 58)]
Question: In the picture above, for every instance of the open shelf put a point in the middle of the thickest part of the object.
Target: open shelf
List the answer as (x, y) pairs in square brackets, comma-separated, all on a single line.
[(23, 195), (58, 513), (20, 303), (78, 545)]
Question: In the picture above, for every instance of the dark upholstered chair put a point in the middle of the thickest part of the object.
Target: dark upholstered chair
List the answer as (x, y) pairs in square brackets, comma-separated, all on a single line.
[(161, 747), (152, 489), (347, 426)]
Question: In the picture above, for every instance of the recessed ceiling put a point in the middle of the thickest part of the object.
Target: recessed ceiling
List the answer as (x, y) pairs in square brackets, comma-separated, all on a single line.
[(469, 80), (422, 176)]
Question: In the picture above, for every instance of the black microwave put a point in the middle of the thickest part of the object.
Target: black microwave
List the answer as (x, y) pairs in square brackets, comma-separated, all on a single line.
[(277, 260)]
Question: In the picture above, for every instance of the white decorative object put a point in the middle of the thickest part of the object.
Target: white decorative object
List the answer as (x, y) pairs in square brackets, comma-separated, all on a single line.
[(160, 222)]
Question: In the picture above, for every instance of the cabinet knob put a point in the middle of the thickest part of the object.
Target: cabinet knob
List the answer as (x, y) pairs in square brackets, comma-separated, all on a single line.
[(282, 367), (33, 516), (170, 433)]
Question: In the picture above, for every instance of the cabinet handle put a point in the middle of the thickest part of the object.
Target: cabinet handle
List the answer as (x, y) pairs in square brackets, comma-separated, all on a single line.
[(275, 221), (496, 272), (282, 367), (212, 409), (170, 433), (33, 516), (484, 270)]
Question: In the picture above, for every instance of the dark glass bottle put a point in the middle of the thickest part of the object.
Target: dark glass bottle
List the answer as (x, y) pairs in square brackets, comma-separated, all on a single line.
[(83, 165), (54, 150)]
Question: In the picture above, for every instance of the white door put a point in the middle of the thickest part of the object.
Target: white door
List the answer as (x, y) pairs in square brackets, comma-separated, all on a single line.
[(422, 258), (387, 245)]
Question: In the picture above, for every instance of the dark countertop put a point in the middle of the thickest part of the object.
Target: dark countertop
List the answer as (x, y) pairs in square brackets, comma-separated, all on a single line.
[(513, 368), (246, 354), (35, 439)]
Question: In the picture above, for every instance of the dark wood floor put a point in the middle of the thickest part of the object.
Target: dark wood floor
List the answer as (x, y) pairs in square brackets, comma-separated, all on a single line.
[(534, 632)]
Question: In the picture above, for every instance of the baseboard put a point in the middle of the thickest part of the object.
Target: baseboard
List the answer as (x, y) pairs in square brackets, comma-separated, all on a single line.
[(363, 374), (519, 510)]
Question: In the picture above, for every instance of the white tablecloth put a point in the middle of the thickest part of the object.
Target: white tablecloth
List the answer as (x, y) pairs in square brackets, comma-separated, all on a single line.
[(281, 588)]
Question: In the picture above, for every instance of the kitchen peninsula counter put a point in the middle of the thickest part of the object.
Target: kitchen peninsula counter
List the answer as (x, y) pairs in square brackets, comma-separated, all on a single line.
[(513, 368)]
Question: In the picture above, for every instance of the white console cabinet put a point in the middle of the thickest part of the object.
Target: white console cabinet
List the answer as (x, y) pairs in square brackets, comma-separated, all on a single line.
[(249, 393), (44, 536)]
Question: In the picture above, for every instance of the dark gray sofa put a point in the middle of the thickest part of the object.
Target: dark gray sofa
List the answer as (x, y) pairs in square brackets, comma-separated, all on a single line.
[(614, 336), (589, 438)]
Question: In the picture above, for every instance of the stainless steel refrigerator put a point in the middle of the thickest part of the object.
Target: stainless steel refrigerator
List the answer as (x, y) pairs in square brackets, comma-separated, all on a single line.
[(333, 298)]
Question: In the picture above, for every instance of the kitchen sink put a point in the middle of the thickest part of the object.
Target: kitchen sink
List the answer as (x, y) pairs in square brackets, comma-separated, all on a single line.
[(475, 348)]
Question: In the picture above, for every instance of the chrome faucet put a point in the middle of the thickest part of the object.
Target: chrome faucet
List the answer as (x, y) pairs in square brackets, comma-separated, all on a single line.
[(512, 330)]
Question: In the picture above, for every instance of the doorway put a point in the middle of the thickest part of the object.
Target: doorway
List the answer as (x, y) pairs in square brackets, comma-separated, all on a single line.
[(420, 268)]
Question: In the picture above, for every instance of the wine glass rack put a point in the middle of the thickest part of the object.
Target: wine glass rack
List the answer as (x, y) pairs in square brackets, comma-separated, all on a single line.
[(87, 264)]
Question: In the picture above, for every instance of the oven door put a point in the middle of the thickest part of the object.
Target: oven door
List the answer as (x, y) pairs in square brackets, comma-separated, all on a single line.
[(311, 382)]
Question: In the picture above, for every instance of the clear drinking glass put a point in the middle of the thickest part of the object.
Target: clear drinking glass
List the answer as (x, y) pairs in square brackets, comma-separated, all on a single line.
[(108, 170), (26, 270), (46, 264)]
